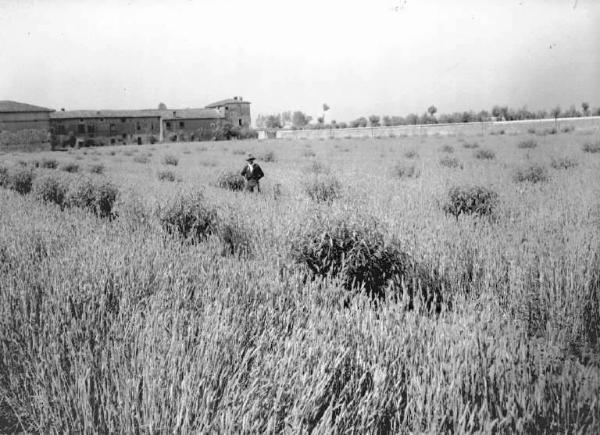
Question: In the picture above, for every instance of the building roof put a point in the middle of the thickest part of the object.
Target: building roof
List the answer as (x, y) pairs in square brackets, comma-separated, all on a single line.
[(144, 113), (227, 101), (14, 106)]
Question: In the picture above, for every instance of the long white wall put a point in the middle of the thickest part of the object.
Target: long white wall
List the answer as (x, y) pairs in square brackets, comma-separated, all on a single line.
[(590, 123)]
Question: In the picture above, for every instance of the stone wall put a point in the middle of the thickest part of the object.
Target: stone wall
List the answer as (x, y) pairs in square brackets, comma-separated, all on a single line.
[(591, 123)]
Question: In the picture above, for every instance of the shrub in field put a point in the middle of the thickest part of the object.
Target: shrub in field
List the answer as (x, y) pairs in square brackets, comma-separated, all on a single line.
[(532, 174), (170, 159), (70, 167), (49, 164), (590, 147), (470, 145), (405, 170), (484, 154), (141, 159), (97, 169), (529, 143), (358, 254), (3, 176), (567, 129), (309, 153), (267, 156), (188, 216), (238, 152), (23, 163), (447, 149), (497, 132), (451, 162), (166, 176), (317, 167), (231, 181), (20, 180), (323, 188), (563, 163), (96, 196), (412, 154), (51, 188), (470, 200), (234, 235)]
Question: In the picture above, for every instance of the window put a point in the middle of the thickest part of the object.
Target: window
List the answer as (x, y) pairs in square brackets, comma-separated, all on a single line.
[(240, 122), (112, 127), (181, 124), (138, 127), (80, 119), (168, 126), (81, 129), (151, 126), (101, 119), (91, 128), (61, 129), (123, 120)]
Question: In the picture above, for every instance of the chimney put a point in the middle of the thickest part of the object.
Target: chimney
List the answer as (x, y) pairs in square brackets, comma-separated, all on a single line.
[(241, 98), (235, 98), (62, 109), (174, 113)]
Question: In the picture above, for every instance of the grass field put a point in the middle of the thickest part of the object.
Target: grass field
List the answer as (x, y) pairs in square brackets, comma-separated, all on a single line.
[(117, 326)]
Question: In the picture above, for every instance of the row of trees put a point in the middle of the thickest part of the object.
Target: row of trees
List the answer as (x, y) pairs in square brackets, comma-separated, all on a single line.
[(298, 119)]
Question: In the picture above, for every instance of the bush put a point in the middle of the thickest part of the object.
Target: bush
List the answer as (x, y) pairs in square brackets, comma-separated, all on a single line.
[(497, 132), (51, 188), (316, 167), (96, 196), (70, 167), (563, 163), (484, 154), (590, 147), (238, 152), (412, 154), (451, 162), (532, 174), (234, 236), (470, 145), (405, 170), (447, 149), (142, 159), (309, 153), (358, 255), (97, 169), (470, 200), (268, 156), (567, 129), (166, 176), (323, 188), (20, 180), (188, 217), (529, 143), (4, 177), (231, 181), (49, 164), (170, 159)]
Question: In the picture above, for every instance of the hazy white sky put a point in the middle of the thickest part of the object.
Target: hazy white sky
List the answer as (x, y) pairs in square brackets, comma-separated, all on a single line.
[(361, 57)]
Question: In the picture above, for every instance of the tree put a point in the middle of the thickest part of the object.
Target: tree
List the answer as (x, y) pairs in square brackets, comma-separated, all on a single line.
[(374, 120), (387, 121), (162, 106), (412, 119), (586, 108), (360, 122), (286, 117), (273, 121), (299, 119), (555, 112), (432, 111)]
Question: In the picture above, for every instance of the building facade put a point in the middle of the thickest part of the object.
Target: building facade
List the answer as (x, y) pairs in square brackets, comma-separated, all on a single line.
[(16, 116), (235, 110)]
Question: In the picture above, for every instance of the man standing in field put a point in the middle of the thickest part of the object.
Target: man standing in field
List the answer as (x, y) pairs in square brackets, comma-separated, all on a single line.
[(252, 173)]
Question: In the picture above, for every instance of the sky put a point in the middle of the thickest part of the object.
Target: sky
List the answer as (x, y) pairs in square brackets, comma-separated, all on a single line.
[(384, 57)]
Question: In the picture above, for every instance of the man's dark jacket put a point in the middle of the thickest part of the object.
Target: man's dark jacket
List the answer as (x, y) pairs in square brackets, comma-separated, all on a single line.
[(256, 173)]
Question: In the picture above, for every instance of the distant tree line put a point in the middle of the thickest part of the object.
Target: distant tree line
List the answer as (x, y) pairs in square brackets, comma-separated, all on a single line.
[(299, 120)]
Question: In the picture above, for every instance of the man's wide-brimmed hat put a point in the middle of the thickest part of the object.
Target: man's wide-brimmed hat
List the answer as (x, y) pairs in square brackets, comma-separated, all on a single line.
[(250, 158)]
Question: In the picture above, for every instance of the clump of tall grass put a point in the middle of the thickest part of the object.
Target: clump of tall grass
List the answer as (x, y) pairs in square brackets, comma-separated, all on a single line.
[(187, 215), (97, 169), (447, 149), (451, 162), (142, 159), (411, 154), (4, 177), (49, 164), (166, 175), (532, 173), (70, 167), (528, 143), (405, 170), (170, 159), (51, 188), (485, 154), (308, 153), (234, 234), (20, 180), (470, 200), (316, 167), (591, 147), (238, 152), (359, 255), (268, 156), (231, 181), (470, 145), (323, 188), (563, 163), (97, 196)]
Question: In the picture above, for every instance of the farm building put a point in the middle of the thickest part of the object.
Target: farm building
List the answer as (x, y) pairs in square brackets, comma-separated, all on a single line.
[(235, 110), (16, 116)]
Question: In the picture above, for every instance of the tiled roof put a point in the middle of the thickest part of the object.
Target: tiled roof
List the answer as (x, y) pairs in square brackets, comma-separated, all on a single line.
[(145, 113), (14, 106), (228, 101)]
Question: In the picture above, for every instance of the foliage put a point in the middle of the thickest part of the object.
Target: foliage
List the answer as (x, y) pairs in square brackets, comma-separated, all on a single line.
[(485, 154), (97, 196), (268, 156), (323, 188), (451, 162), (412, 154), (188, 216), (532, 173), (97, 168), (166, 175), (70, 167), (470, 145), (591, 147), (51, 188), (49, 164), (231, 180), (20, 180), (170, 159), (470, 200), (447, 149), (142, 159), (527, 144), (405, 170), (563, 163)]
